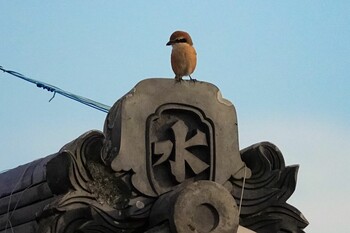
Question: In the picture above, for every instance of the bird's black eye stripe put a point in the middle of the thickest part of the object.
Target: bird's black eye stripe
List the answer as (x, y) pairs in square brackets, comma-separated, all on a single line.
[(181, 40)]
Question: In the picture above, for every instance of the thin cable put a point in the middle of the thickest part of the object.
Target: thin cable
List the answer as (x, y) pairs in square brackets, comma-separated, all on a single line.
[(51, 88), (242, 193), (9, 215)]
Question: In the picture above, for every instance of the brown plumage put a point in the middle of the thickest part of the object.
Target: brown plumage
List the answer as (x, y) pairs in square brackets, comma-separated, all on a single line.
[(183, 55)]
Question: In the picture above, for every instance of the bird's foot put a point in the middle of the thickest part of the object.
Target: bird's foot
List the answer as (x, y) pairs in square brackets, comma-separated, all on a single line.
[(178, 79), (192, 79)]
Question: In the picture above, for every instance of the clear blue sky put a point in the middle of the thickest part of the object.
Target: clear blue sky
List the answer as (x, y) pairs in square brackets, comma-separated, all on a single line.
[(284, 64)]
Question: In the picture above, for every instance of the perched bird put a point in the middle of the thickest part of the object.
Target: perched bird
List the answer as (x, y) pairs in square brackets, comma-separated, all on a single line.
[(183, 55)]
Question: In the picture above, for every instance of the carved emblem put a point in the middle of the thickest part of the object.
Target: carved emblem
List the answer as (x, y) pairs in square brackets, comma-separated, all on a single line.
[(180, 146), (164, 138)]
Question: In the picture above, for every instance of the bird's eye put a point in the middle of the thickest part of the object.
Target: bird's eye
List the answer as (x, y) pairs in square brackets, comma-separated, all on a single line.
[(181, 40)]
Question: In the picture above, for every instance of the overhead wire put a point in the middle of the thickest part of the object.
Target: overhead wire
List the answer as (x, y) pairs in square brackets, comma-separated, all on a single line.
[(54, 89)]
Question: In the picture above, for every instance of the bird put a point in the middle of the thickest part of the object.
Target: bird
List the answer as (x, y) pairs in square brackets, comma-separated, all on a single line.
[(183, 55)]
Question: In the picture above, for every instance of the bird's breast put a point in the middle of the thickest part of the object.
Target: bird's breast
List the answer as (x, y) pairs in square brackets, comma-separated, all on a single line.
[(183, 59)]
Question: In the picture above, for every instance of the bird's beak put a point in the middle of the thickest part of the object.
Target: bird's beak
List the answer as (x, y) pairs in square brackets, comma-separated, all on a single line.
[(169, 43)]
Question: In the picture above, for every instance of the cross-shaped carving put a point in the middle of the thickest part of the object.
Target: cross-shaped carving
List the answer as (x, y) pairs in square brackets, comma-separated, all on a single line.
[(182, 155)]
